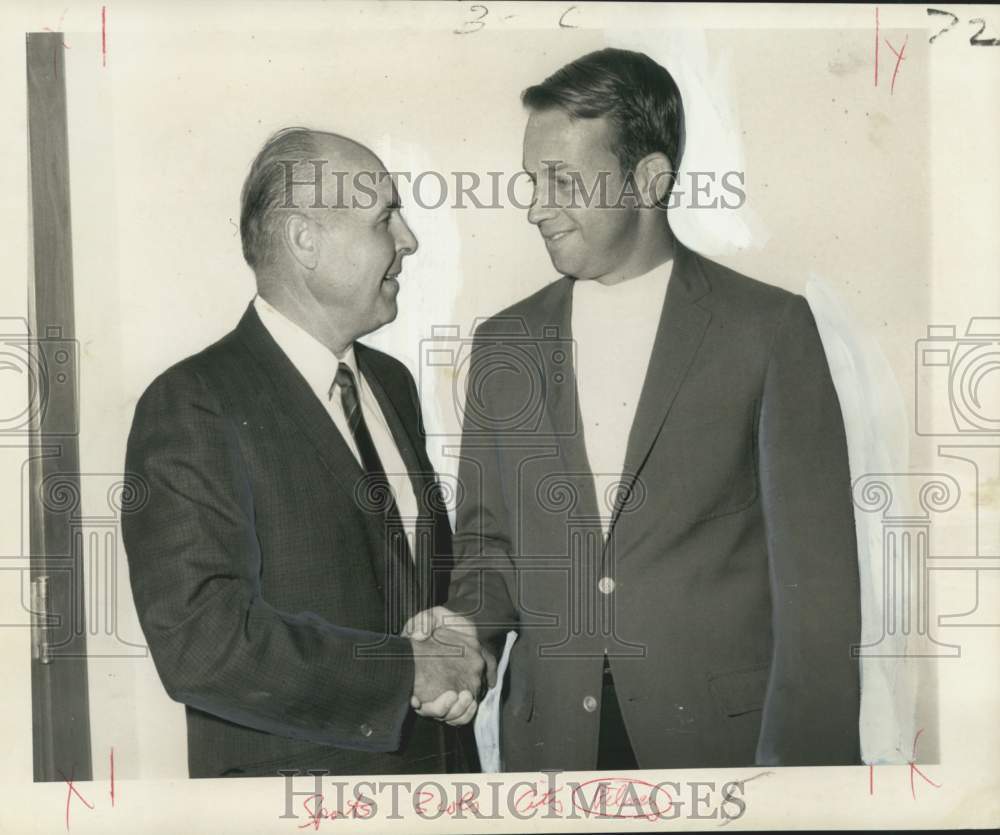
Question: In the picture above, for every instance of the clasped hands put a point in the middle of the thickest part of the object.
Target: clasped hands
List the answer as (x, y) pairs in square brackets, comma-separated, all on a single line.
[(452, 669)]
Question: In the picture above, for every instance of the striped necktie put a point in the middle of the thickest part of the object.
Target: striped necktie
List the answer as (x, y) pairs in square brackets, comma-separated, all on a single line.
[(398, 575)]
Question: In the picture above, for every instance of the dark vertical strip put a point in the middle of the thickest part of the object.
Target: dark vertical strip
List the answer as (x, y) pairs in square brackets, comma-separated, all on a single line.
[(60, 702)]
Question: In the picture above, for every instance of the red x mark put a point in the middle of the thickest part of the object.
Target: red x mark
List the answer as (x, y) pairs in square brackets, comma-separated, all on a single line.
[(69, 795), (913, 764), (899, 59), (913, 770), (899, 54)]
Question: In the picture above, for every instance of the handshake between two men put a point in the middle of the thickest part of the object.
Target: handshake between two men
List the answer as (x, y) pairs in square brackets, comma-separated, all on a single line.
[(452, 670)]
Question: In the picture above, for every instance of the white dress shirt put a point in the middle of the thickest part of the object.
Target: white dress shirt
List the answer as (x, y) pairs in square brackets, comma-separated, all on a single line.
[(318, 365), (614, 328)]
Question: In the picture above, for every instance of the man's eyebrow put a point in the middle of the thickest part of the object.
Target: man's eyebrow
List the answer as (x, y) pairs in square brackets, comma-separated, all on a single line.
[(559, 165), (392, 205)]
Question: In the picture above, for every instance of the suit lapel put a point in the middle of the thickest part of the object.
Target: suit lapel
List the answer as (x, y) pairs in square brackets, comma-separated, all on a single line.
[(554, 336), (678, 337), (299, 401)]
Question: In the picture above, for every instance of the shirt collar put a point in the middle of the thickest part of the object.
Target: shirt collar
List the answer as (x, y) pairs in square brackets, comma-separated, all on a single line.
[(641, 285), (313, 360)]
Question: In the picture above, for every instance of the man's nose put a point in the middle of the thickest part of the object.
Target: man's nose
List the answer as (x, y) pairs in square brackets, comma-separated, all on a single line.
[(541, 208), (406, 241)]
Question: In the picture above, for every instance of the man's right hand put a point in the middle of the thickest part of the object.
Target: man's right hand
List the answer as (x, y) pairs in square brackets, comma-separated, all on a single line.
[(448, 678), (424, 624)]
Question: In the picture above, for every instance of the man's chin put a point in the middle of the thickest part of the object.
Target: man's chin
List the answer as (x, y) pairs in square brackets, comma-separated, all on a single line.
[(390, 310), (565, 266)]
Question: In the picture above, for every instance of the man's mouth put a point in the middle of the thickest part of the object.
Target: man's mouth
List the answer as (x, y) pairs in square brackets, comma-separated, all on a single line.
[(552, 237)]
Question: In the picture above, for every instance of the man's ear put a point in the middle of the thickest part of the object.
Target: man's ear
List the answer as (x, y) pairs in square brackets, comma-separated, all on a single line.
[(654, 176), (299, 238)]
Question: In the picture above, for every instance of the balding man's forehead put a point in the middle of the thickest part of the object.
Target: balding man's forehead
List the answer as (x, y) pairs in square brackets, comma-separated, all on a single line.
[(372, 188), (320, 183), (353, 176)]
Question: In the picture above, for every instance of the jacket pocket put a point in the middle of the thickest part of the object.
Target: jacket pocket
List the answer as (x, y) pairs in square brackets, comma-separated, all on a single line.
[(741, 690)]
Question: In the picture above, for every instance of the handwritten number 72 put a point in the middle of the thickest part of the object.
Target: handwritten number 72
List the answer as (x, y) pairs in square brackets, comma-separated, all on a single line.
[(975, 40)]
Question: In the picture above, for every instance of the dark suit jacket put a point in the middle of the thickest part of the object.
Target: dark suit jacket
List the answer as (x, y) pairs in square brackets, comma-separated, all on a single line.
[(257, 573), (736, 597)]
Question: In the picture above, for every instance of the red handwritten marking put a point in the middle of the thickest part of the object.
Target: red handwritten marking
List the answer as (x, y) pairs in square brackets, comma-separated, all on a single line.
[(876, 46), (913, 764), (899, 59), (530, 799), (913, 770), (50, 29), (59, 28), (358, 809), (466, 801), (621, 791), (104, 36), (112, 778), (62, 41), (69, 795)]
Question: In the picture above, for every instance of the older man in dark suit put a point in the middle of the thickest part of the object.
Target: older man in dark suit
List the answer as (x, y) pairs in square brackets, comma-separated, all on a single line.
[(671, 530), (293, 520)]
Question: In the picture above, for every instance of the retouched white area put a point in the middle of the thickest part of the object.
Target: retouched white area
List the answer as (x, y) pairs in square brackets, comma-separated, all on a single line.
[(713, 139), (487, 723), (429, 286), (877, 430)]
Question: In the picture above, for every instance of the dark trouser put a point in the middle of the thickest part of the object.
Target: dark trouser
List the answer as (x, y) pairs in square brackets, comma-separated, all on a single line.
[(614, 750)]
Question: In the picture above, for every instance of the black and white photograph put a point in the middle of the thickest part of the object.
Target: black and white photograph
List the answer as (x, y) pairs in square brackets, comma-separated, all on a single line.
[(476, 417)]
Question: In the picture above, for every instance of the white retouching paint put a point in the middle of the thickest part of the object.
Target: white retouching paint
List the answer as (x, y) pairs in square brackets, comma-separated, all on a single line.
[(877, 429), (713, 139)]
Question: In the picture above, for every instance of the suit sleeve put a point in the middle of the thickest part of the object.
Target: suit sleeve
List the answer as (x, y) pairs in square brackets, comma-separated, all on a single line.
[(811, 710), (483, 573), (194, 564)]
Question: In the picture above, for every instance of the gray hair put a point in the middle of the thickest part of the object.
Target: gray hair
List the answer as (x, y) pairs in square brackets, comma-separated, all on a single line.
[(264, 191)]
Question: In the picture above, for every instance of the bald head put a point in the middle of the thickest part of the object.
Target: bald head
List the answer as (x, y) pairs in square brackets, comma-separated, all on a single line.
[(323, 231), (300, 169)]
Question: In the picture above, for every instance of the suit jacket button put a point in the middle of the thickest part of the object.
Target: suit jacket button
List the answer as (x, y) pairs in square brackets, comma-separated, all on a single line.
[(366, 729), (589, 704), (605, 585)]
